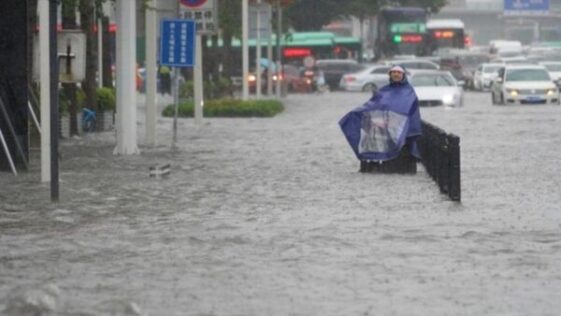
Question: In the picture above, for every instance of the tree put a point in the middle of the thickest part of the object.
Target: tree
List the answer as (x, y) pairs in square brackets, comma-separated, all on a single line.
[(432, 5), (311, 15)]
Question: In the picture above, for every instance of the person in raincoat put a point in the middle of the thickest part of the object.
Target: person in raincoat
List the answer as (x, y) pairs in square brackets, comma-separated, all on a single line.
[(387, 126)]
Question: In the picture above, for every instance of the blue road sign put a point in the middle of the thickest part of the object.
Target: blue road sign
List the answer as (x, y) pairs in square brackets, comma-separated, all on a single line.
[(526, 6), (177, 43)]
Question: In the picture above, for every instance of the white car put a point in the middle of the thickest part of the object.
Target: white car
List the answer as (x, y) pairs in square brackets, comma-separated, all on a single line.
[(484, 75), (368, 80), (435, 87), (413, 64), (524, 84), (554, 68)]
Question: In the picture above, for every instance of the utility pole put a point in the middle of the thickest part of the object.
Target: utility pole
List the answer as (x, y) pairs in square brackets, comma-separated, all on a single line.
[(151, 71), (44, 47), (245, 49), (53, 61), (126, 78)]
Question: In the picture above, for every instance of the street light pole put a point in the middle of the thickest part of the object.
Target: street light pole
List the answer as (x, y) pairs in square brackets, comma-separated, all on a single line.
[(53, 61), (44, 47), (245, 49), (126, 78), (151, 75)]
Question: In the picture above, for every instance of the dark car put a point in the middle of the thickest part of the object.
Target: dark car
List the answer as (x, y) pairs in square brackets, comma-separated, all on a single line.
[(334, 69), (463, 65)]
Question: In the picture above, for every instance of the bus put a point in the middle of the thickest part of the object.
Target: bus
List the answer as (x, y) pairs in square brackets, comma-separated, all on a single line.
[(445, 33), (401, 31)]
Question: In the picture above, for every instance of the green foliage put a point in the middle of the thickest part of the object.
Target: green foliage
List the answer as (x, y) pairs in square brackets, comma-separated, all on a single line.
[(106, 100), (64, 100), (220, 88), (229, 108)]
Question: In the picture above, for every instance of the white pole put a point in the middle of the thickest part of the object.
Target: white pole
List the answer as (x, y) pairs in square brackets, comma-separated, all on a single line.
[(270, 55), (258, 52), (198, 76), (45, 79), (100, 50), (126, 69), (30, 108), (151, 75), (245, 49), (7, 151)]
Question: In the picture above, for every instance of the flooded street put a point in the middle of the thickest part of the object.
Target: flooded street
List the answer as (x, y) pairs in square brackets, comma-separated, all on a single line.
[(271, 217)]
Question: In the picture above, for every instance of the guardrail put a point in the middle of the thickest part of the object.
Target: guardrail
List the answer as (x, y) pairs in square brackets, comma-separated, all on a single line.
[(440, 154)]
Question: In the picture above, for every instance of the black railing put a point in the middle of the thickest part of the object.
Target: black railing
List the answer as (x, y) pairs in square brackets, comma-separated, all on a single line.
[(440, 154)]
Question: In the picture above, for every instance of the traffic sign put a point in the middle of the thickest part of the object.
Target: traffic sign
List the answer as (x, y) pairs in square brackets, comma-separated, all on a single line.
[(204, 12), (522, 7), (196, 4), (177, 43)]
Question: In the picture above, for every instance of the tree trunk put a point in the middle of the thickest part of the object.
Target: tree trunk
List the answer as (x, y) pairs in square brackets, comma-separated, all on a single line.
[(107, 48), (89, 85)]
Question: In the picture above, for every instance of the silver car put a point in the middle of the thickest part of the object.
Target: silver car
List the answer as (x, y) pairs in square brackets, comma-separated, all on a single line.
[(524, 84), (484, 75), (368, 80), (436, 87)]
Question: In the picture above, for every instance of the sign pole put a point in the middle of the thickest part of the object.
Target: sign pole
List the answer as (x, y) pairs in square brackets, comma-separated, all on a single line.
[(176, 105), (198, 77), (177, 45)]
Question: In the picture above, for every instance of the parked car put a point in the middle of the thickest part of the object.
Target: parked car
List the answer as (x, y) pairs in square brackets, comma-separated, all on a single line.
[(524, 84), (369, 79), (334, 69), (511, 60), (554, 69), (436, 87), (484, 75)]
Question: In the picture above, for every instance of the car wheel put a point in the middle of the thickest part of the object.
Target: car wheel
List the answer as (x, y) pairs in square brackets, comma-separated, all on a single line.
[(369, 87)]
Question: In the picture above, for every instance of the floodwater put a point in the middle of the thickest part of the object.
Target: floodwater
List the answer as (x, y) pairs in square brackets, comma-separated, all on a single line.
[(271, 217)]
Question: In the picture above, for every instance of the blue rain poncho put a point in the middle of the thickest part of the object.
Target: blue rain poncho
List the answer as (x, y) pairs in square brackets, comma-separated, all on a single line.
[(380, 128)]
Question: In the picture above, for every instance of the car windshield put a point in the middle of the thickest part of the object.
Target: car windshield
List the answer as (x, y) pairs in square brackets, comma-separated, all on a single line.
[(527, 75), (432, 80), (491, 69), (553, 67)]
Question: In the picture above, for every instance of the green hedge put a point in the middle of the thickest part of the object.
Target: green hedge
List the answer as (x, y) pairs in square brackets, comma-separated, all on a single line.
[(106, 100), (229, 108)]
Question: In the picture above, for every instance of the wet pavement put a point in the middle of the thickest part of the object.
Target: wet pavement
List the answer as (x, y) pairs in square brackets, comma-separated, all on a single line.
[(270, 217)]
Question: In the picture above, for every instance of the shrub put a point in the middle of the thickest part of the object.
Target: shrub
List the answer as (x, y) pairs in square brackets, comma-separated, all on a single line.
[(220, 88), (106, 100), (64, 101), (229, 108)]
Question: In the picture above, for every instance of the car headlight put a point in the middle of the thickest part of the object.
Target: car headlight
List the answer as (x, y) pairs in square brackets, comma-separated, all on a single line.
[(448, 99), (512, 92), (551, 92)]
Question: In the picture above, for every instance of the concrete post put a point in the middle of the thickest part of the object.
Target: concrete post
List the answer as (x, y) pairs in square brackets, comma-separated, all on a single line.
[(45, 90), (126, 78)]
